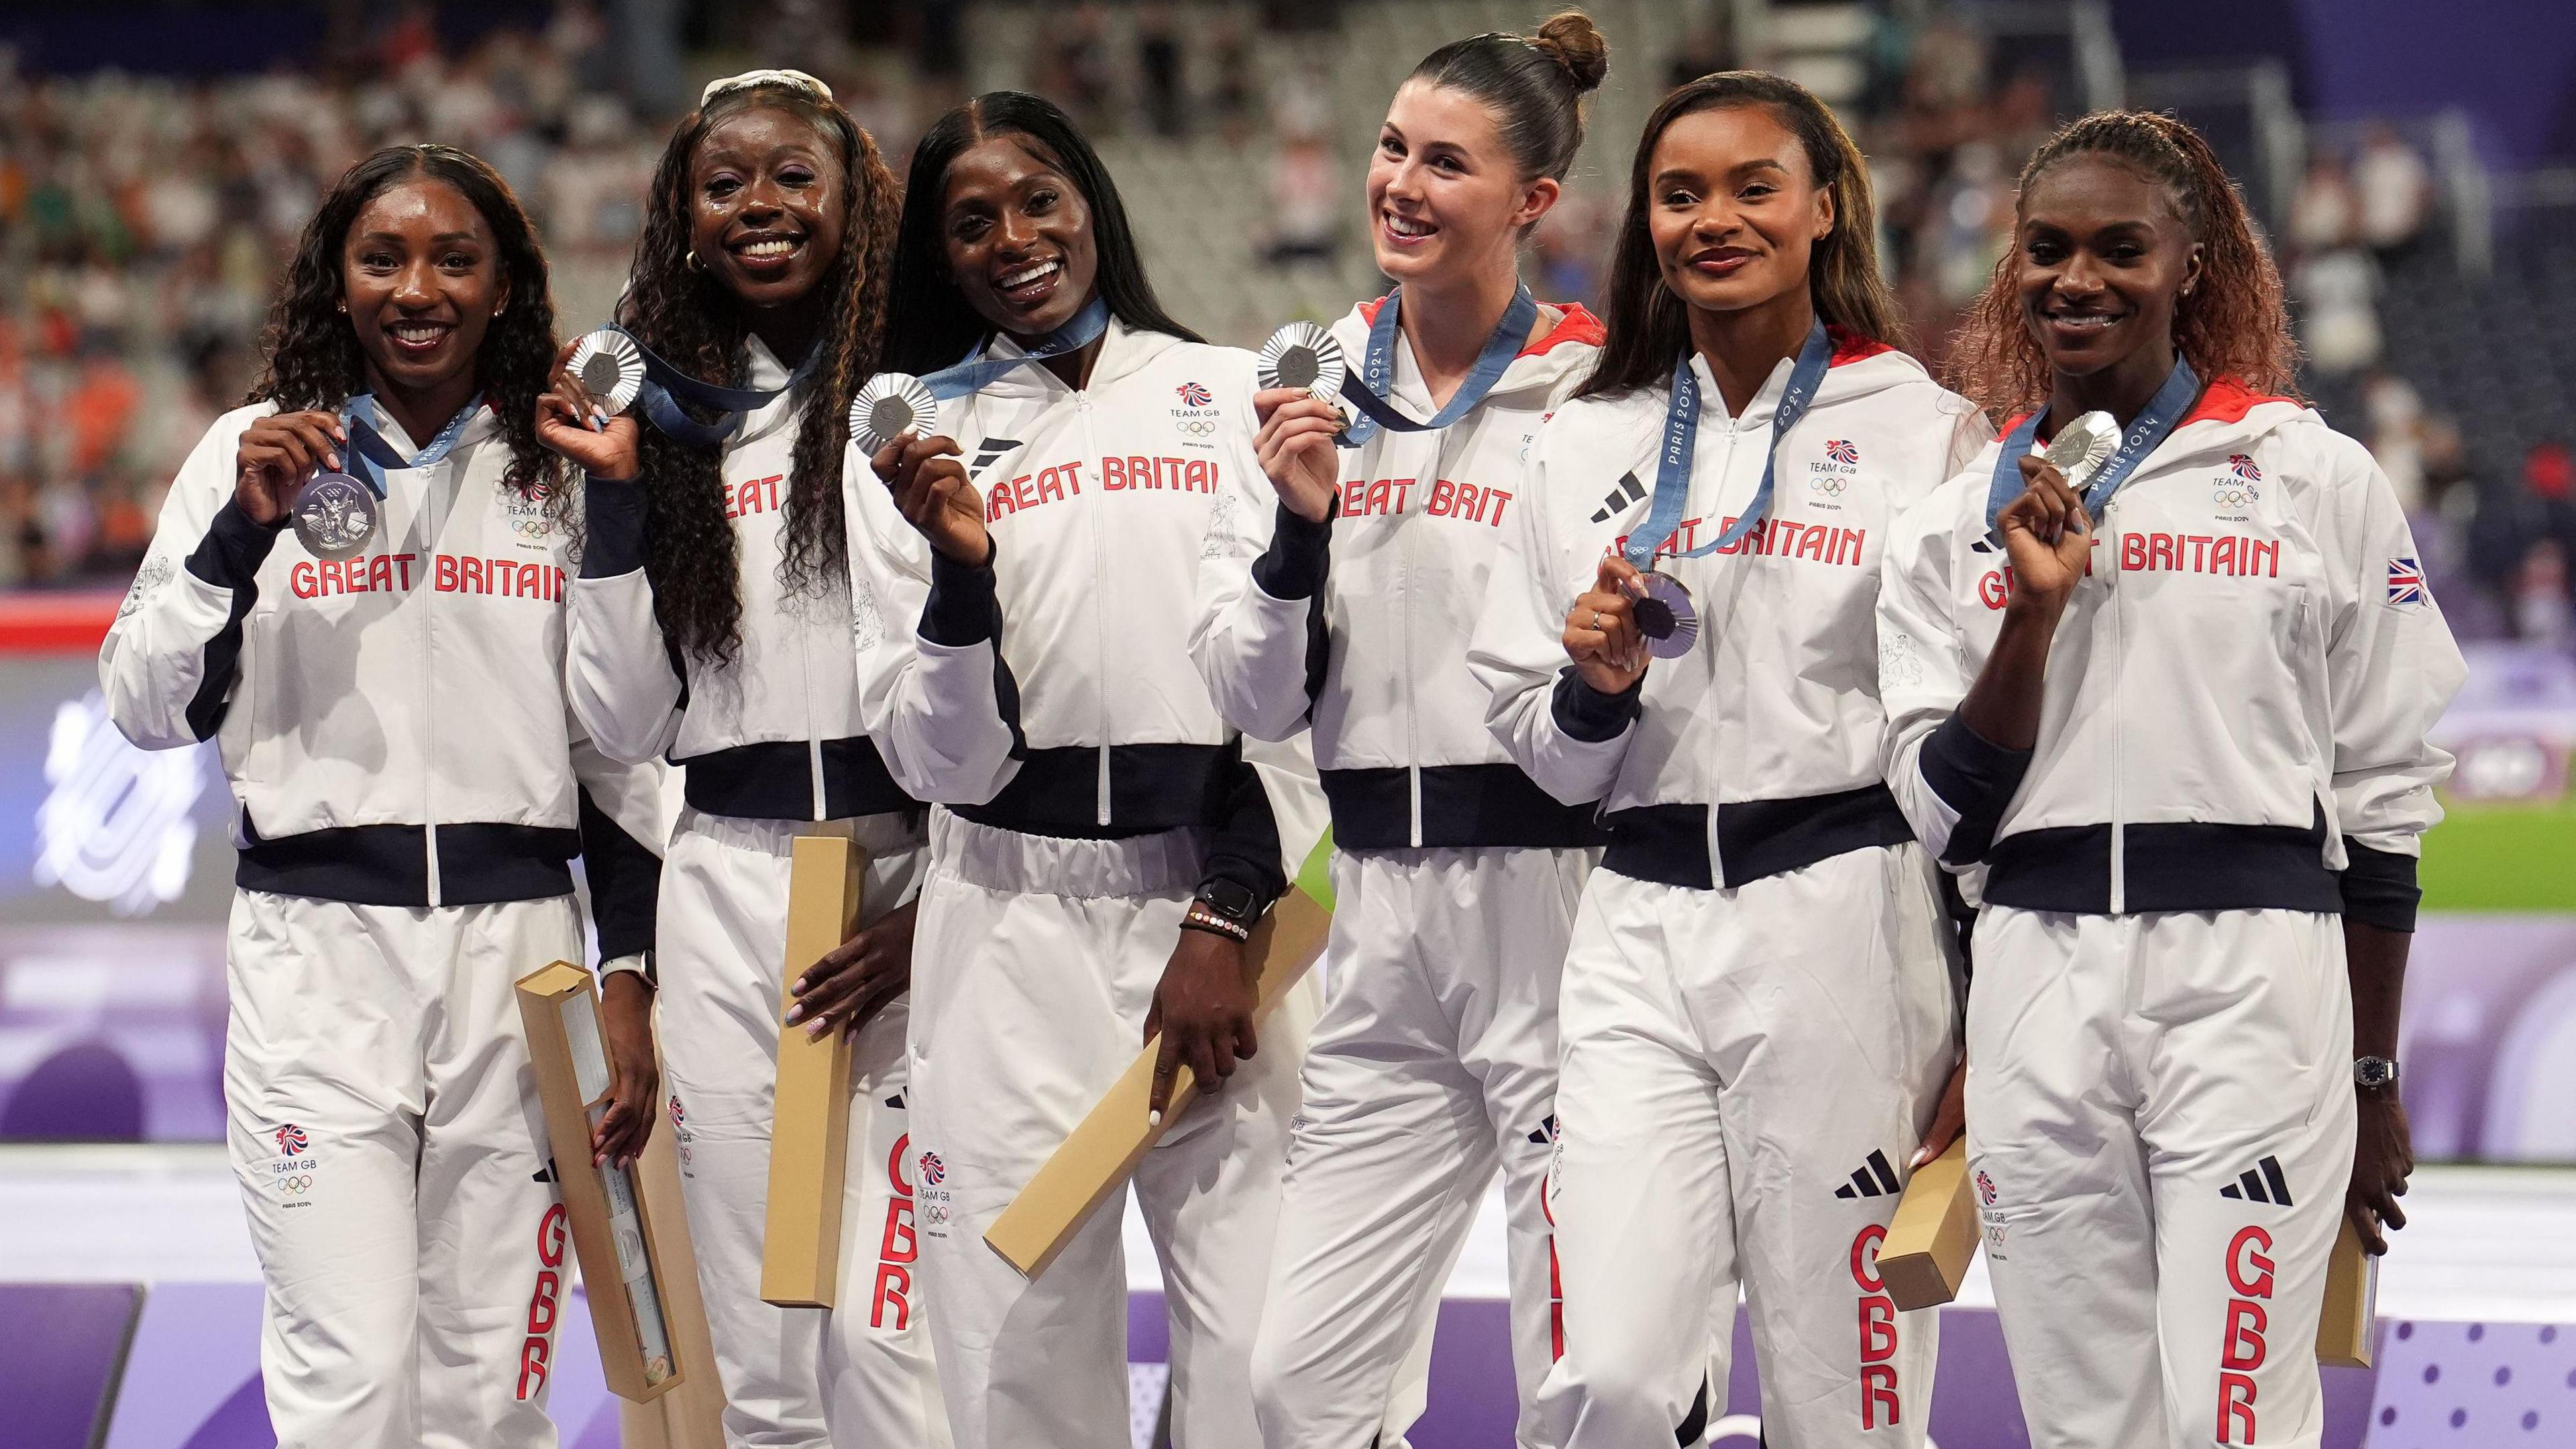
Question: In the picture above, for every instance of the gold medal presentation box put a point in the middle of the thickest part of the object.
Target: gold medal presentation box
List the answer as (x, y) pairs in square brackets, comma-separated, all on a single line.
[(1095, 1160), (809, 1138), (633, 1297)]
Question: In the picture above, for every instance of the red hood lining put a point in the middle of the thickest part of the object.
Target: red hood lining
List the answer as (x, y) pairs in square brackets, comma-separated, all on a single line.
[(1577, 325), (2225, 400)]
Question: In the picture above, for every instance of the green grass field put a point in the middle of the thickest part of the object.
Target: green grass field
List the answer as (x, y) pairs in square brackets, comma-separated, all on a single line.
[(2480, 858), (2502, 858)]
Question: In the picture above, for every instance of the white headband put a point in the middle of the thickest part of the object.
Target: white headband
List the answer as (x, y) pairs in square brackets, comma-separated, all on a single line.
[(792, 79)]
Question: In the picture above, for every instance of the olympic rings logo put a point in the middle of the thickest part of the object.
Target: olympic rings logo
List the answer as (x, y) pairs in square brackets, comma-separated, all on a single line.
[(1196, 427), (2232, 495), (1827, 484), (301, 1182)]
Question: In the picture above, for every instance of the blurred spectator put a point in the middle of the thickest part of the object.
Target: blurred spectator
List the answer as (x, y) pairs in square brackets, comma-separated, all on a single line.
[(2337, 293), (1075, 68), (2325, 215), (2395, 190), (1231, 95), (1158, 69), (1705, 50), (1305, 204), (2540, 605), (2394, 434), (1571, 249)]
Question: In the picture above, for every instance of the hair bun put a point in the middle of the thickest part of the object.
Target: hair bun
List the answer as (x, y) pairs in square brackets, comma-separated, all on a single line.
[(1571, 40)]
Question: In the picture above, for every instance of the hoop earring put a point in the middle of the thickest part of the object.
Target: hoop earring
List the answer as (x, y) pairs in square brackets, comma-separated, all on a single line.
[(692, 261)]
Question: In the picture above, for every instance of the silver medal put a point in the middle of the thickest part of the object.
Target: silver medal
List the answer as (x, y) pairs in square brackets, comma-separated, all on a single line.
[(1665, 616), (611, 368), (891, 405), (2083, 446), (335, 516), (1302, 355)]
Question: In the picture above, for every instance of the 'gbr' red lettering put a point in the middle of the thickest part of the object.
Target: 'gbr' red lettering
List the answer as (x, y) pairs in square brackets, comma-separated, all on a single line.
[(543, 1302), (1879, 1401), (2241, 1349), (898, 1248)]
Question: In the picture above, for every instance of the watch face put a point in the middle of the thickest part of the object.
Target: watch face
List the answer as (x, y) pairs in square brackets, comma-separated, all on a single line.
[(2374, 1071), (1230, 899)]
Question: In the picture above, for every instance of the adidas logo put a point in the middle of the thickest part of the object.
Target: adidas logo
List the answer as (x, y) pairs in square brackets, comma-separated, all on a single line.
[(1626, 495), (1545, 1132), (895, 1101), (1873, 1178), (988, 452), (2268, 1187)]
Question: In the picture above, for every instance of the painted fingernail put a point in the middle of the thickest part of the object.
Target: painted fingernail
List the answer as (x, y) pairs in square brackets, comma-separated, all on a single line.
[(795, 1013), (1154, 1119)]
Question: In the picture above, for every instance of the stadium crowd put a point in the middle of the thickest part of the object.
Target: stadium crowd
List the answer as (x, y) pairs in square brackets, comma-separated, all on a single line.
[(142, 221)]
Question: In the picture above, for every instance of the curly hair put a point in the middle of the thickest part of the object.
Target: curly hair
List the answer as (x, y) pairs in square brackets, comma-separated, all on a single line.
[(692, 558), (1648, 326), (2234, 324), (309, 352)]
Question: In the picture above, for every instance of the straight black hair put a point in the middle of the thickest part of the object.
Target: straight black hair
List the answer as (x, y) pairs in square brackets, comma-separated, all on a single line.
[(929, 324)]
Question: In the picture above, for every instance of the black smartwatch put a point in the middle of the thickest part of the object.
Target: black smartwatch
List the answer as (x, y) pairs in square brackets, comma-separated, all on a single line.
[(1231, 900), (2374, 1073)]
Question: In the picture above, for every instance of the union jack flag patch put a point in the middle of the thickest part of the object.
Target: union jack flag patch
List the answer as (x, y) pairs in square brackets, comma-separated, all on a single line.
[(2406, 582)]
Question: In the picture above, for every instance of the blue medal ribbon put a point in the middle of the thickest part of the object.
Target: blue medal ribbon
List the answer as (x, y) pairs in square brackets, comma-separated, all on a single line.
[(2162, 414), (1681, 443), (370, 457), (976, 371), (1368, 388), (666, 388)]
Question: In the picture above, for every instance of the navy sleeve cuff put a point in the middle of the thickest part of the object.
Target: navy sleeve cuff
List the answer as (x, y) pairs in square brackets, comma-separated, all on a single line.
[(613, 511), (625, 879), (233, 549), (1975, 777), (963, 607), (1589, 715), (2379, 888), (1293, 566), (1244, 848)]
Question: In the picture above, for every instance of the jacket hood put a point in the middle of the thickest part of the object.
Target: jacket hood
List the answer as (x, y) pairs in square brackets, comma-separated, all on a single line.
[(1559, 357), (1124, 350), (2229, 414)]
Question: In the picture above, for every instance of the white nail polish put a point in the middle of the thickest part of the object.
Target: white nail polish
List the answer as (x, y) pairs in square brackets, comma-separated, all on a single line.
[(1153, 1119)]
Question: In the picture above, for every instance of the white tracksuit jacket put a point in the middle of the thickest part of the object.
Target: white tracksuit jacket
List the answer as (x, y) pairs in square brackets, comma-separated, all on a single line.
[(410, 786), (2231, 753), (1455, 884), (765, 742), (1048, 703), (1757, 1007)]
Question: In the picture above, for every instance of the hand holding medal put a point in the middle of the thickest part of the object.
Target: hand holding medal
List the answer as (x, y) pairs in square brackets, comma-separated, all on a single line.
[(1606, 632), (581, 415), (2048, 532), (1300, 371), (276, 454)]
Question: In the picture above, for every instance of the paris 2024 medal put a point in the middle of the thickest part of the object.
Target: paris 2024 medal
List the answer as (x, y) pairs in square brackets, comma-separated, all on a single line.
[(335, 516), (891, 405), (611, 368)]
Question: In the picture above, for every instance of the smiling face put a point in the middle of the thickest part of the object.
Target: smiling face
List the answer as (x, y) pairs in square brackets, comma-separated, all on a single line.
[(765, 205), (422, 277), (1445, 197), (1018, 236), (1734, 210), (2101, 257)]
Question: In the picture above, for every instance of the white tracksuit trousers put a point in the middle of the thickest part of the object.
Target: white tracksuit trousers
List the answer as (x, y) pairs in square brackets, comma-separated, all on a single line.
[(2160, 1119), (1035, 965), (860, 1372), (1745, 1074), (1434, 1064), (384, 1125)]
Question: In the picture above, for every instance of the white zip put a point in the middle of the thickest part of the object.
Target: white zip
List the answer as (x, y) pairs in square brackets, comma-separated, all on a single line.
[(429, 713), (1099, 612), (1725, 472), (813, 735), (2109, 536)]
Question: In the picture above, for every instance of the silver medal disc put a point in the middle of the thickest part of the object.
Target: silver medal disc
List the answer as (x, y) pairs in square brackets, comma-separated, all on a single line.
[(335, 516), (2082, 446), (611, 368), (891, 405), (1304, 355), (1665, 616)]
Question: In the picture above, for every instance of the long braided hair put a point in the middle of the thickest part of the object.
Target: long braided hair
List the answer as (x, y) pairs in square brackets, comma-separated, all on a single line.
[(2234, 324), (682, 313), (309, 353)]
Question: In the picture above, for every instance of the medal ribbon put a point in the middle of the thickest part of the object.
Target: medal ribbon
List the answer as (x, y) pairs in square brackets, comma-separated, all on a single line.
[(1367, 389), (2163, 412), (1681, 442), (666, 387), (370, 456), (977, 372)]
